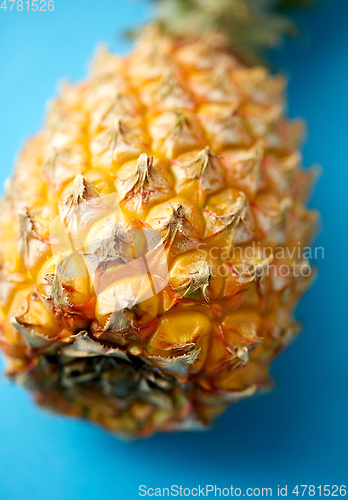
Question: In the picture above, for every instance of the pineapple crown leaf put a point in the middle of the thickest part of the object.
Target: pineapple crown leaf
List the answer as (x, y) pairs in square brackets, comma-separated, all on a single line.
[(251, 26)]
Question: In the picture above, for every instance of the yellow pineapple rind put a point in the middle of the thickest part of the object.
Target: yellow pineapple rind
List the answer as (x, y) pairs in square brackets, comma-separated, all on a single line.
[(197, 147)]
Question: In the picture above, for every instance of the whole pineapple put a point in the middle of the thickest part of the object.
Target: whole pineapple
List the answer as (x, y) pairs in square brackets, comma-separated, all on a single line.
[(142, 237)]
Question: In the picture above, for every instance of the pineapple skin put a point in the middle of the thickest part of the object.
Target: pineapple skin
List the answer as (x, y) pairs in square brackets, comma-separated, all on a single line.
[(197, 147)]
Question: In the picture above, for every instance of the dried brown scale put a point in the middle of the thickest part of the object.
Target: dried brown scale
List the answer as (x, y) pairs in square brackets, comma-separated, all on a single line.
[(197, 148)]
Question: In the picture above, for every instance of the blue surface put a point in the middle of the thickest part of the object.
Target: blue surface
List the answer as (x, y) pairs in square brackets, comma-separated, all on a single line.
[(295, 435)]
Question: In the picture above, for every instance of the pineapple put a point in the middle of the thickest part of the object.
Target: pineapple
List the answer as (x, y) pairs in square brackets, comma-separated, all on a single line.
[(141, 271)]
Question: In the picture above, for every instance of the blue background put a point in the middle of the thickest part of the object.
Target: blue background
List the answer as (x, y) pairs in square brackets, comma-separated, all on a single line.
[(295, 435)]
